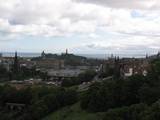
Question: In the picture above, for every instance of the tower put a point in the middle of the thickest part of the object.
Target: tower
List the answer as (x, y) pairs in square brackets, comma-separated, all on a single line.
[(146, 56), (66, 51), (43, 55), (117, 67), (16, 63)]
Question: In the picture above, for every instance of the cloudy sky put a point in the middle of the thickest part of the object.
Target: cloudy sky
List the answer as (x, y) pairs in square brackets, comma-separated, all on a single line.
[(82, 26)]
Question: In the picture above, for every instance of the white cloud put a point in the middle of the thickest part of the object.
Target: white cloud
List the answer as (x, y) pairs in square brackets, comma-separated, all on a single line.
[(49, 17), (138, 22), (59, 18)]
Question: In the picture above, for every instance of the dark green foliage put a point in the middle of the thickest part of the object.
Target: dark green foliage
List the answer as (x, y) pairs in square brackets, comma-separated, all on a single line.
[(38, 101), (157, 67), (97, 98), (138, 93), (118, 93), (133, 112), (111, 94), (26, 73), (132, 86), (11, 95), (153, 112), (70, 82), (149, 94), (87, 76), (108, 72), (134, 98), (4, 74), (52, 102)]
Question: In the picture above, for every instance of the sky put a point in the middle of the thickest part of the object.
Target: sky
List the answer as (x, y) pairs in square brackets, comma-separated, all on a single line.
[(81, 26)]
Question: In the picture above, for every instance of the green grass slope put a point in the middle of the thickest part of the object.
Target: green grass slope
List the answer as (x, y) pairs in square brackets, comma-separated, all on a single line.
[(73, 112)]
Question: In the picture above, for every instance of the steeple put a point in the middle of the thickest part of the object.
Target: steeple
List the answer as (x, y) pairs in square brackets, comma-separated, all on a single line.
[(66, 51), (16, 64), (146, 56), (43, 55), (16, 54)]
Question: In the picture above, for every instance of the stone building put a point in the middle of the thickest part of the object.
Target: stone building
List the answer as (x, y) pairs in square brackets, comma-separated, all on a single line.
[(128, 66), (50, 64), (134, 66)]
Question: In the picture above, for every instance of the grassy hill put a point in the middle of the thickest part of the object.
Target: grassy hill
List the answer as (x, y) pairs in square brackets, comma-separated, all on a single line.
[(73, 112)]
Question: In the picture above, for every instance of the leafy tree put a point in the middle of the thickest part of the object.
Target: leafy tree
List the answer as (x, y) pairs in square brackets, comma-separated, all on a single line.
[(153, 112), (133, 112), (149, 94), (87, 76), (112, 93), (70, 82)]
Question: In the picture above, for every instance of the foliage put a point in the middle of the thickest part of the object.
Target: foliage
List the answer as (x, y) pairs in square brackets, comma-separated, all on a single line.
[(4, 74), (133, 112), (73, 112), (86, 76), (39, 101), (70, 82), (153, 112), (118, 93), (134, 98)]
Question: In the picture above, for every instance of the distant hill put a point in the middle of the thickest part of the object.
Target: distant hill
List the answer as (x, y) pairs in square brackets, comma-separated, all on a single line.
[(69, 59)]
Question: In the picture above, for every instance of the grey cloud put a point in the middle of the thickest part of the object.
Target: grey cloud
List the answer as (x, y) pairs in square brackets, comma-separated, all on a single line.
[(46, 18), (61, 18), (140, 33), (130, 4), (124, 48)]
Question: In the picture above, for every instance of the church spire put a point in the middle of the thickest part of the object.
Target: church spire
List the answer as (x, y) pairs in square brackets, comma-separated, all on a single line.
[(43, 55), (16, 64), (66, 51)]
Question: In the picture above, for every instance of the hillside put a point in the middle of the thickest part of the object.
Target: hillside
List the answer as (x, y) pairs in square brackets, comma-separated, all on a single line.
[(73, 112), (69, 59)]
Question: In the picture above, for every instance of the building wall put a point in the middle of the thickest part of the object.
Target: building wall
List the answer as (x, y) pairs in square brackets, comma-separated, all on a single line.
[(50, 64)]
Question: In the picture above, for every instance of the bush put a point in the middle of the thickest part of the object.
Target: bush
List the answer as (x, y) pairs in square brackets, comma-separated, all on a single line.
[(133, 112)]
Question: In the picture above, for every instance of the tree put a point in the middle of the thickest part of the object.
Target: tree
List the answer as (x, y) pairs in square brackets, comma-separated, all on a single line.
[(149, 94), (153, 112), (87, 76), (70, 82), (132, 112)]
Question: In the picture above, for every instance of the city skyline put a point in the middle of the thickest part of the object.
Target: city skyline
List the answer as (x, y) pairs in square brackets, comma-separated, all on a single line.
[(82, 26)]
